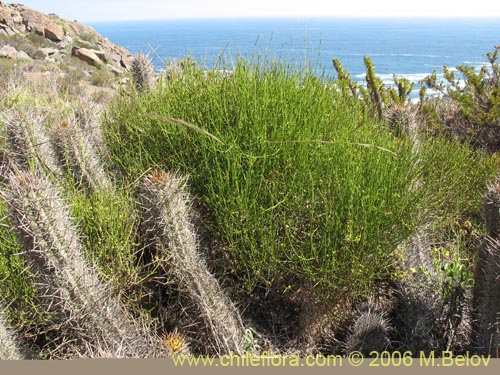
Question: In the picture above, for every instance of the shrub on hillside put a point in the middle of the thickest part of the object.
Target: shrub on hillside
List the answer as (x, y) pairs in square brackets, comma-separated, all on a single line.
[(301, 186), (471, 110)]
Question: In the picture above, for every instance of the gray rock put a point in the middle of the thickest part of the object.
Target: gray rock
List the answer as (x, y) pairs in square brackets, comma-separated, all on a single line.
[(49, 51), (116, 71), (6, 30), (87, 55), (21, 55), (8, 52), (103, 56)]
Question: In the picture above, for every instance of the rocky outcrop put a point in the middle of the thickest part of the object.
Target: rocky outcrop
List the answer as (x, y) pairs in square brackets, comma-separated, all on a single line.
[(87, 55), (10, 52), (63, 35), (41, 24)]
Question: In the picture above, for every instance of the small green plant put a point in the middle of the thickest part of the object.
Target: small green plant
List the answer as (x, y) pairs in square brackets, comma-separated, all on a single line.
[(456, 278), (71, 82), (102, 78), (250, 343), (88, 37), (453, 276)]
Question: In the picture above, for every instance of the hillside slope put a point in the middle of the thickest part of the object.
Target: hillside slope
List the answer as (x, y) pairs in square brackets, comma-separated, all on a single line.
[(26, 34)]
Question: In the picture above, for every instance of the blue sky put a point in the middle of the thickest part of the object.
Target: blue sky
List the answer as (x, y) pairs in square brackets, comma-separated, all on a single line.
[(109, 10)]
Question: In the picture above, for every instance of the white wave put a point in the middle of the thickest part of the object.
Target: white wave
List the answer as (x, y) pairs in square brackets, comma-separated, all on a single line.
[(417, 55), (398, 55), (388, 78)]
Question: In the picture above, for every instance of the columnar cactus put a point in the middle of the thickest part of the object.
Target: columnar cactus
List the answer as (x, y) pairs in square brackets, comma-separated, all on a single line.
[(167, 221), (419, 303), (87, 114), (51, 242), (27, 141), (143, 72), (487, 278), (492, 209), (76, 152), (487, 298)]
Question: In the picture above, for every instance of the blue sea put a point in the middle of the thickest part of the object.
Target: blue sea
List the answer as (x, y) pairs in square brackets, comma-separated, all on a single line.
[(409, 48)]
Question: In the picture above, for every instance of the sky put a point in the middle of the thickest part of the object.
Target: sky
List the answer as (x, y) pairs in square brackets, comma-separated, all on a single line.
[(115, 10)]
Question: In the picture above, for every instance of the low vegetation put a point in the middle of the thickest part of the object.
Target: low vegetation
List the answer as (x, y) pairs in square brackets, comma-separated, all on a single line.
[(267, 208)]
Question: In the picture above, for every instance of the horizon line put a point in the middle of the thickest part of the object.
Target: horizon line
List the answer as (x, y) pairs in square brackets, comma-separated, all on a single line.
[(291, 17)]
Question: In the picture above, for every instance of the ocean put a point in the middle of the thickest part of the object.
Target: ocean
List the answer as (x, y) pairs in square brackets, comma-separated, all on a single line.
[(409, 48)]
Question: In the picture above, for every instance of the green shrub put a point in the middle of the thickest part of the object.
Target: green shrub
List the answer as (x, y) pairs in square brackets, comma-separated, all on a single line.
[(472, 112), (108, 223), (302, 186)]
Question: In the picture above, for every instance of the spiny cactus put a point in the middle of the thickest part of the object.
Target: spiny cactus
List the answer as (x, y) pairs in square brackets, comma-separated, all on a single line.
[(8, 346), (176, 344), (401, 119), (492, 209), (168, 223), (76, 151), (487, 298), (27, 142), (418, 302), (87, 114), (72, 287), (487, 278), (143, 72), (370, 331)]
